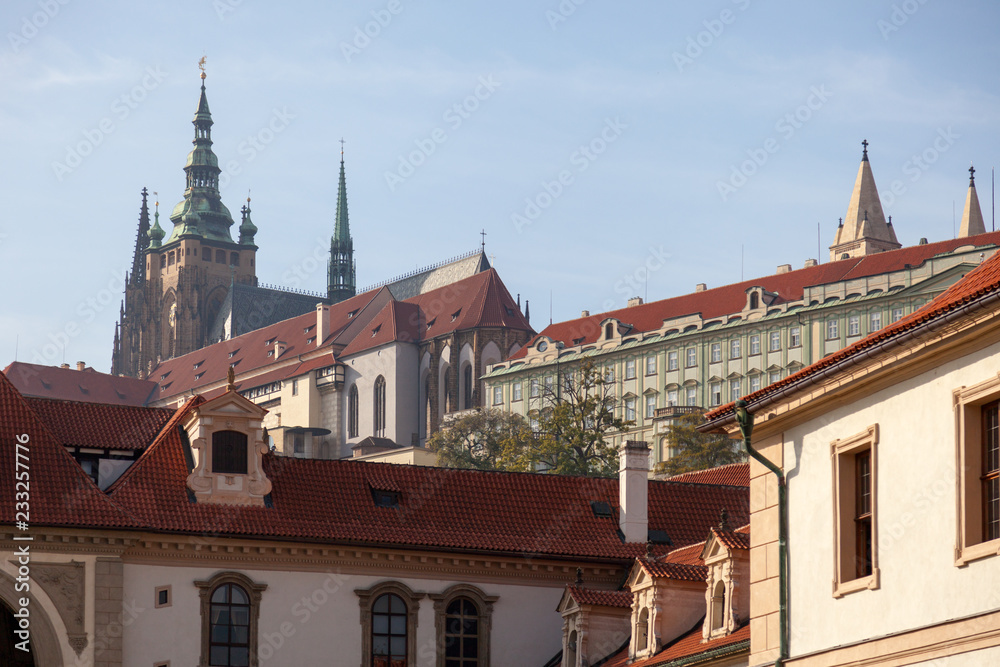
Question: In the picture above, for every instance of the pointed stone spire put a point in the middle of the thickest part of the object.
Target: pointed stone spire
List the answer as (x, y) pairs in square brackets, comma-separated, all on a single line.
[(247, 228), (341, 271), (863, 231), (141, 243), (972, 215), (202, 212)]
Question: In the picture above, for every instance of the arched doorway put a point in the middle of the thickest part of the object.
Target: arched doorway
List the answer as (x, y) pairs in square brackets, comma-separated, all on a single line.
[(9, 653)]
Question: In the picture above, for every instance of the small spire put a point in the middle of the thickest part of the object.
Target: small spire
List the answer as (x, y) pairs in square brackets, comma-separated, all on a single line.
[(972, 176), (890, 221), (864, 152), (840, 222), (649, 550), (723, 519), (156, 232), (579, 576)]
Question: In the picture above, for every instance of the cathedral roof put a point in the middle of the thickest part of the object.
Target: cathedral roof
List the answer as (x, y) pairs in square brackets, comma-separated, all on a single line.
[(250, 307), (437, 276)]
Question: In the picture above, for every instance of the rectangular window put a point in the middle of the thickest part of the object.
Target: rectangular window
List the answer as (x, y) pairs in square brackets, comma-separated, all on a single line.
[(978, 445), (897, 314), (773, 377), (734, 390), (497, 395), (692, 357), (534, 388), (609, 374), (715, 393), (874, 322), (672, 361), (855, 508), (692, 396), (651, 365), (754, 344), (534, 423), (734, 348), (295, 387), (854, 325), (517, 391), (630, 369), (548, 385), (774, 341), (795, 337), (754, 383), (716, 353), (832, 329), (671, 397), (630, 409), (651, 404)]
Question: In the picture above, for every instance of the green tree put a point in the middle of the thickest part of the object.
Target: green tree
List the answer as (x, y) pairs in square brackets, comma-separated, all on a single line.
[(690, 449), (483, 440), (577, 416)]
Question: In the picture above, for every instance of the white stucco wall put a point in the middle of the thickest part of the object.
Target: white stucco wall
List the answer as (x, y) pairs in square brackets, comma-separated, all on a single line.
[(314, 618), (916, 516), (398, 364)]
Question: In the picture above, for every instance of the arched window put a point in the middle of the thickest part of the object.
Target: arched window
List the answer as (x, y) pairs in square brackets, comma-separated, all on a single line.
[(754, 301), (229, 452), (571, 649), (220, 256), (461, 634), (170, 258), (230, 607), (609, 330), (206, 254), (234, 259), (389, 617), (352, 412), (467, 381), (719, 606), (642, 631), (378, 406)]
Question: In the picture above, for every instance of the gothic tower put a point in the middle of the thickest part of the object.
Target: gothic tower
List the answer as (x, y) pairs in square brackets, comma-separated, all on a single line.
[(864, 231), (178, 284), (341, 271), (972, 215)]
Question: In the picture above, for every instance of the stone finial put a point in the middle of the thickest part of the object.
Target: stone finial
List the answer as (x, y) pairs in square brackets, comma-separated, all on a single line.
[(231, 379), (864, 153), (972, 176), (579, 576), (723, 519)]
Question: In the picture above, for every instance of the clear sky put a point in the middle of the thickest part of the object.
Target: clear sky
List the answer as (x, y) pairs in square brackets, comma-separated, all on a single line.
[(609, 149)]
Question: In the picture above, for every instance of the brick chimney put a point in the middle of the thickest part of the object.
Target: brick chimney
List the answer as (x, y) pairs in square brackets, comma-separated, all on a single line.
[(700, 287), (80, 366), (322, 323), (784, 268), (279, 348), (634, 301), (811, 262), (633, 491)]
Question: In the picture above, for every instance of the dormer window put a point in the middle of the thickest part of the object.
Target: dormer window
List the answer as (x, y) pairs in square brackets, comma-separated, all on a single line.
[(385, 498), (233, 353), (609, 330), (229, 453), (719, 606)]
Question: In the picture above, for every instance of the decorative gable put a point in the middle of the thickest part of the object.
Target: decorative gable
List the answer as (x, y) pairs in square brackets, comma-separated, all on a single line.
[(727, 594), (227, 449)]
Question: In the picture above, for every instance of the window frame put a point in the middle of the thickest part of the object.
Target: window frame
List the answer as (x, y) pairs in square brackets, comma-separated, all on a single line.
[(232, 460), (774, 341), (735, 389), (691, 396), (874, 321), (498, 395), (896, 314), (853, 325), (794, 337), (651, 361), (651, 404), (833, 328), (628, 407), (378, 407), (205, 591), (735, 348), (969, 403), (715, 353), (754, 345), (516, 391), (715, 393), (630, 369), (353, 399), (484, 607), (366, 600), (533, 388), (844, 453), (691, 357), (673, 360)]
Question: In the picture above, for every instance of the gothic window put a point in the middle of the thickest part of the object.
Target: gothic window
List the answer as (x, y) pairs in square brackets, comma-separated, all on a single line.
[(220, 256), (163, 261), (352, 412), (234, 259), (379, 407), (206, 254), (467, 381), (170, 258), (230, 607), (229, 452)]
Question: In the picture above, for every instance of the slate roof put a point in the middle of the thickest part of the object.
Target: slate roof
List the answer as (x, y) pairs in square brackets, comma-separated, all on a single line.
[(250, 307), (70, 384), (437, 276), (979, 282), (600, 598), (120, 427), (734, 474), (726, 300)]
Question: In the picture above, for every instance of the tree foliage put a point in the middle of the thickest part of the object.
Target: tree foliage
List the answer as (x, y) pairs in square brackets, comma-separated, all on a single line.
[(577, 415), (483, 440), (693, 450)]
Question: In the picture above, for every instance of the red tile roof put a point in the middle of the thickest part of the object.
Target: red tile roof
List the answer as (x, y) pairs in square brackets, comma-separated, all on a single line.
[(979, 282), (687, 647), (69, 384), (121, 427), (733, 539), (689, 555), (663, 569), (600, 598), (61, 494), (729, 299), (734, 474)]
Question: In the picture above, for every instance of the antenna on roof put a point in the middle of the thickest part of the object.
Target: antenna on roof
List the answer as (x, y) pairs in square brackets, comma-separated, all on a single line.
[(550, 307), (819, 245)]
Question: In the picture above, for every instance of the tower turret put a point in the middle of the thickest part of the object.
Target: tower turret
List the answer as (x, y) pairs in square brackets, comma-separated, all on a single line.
[(341, 272), (138, 275), (972, 215), (863, 231), (156, 232), (247, 228)]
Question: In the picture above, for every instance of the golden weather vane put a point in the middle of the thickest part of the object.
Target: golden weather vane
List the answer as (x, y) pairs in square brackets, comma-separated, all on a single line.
[(201, 65)]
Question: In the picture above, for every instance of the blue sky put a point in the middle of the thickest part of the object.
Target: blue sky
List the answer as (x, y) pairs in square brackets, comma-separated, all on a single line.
[(609, 150)]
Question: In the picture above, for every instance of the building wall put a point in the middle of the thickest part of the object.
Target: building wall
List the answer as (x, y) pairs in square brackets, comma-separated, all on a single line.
[(916, 517)]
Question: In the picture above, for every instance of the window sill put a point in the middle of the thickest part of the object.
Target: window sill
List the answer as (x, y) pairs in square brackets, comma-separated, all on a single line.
[(842, 588), (977, 551)]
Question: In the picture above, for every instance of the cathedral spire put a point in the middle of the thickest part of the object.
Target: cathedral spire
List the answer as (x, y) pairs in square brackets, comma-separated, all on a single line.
[(247, 228), (156, 232), (972, 215), (341, 271), (864, 230), (141, 243)]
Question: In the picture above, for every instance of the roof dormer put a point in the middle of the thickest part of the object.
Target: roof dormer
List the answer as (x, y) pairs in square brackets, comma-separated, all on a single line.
[(667, 600), (727, 596), (227, 450)]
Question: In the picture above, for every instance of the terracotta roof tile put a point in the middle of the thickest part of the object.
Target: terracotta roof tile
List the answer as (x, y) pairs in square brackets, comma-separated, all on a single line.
[(728, 299), (686, 647), (600, 598), (664, 569), (69, 384), (121, 427), (733, 539), (734, 474)]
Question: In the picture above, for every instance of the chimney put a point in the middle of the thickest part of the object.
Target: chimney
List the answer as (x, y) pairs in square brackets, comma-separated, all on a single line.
[(322, 323), (811, 262), (784, 268), (63, 365), (700, 287), (633, 491), (584, 313), (279, 348), (635, 301), (80, 366)]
